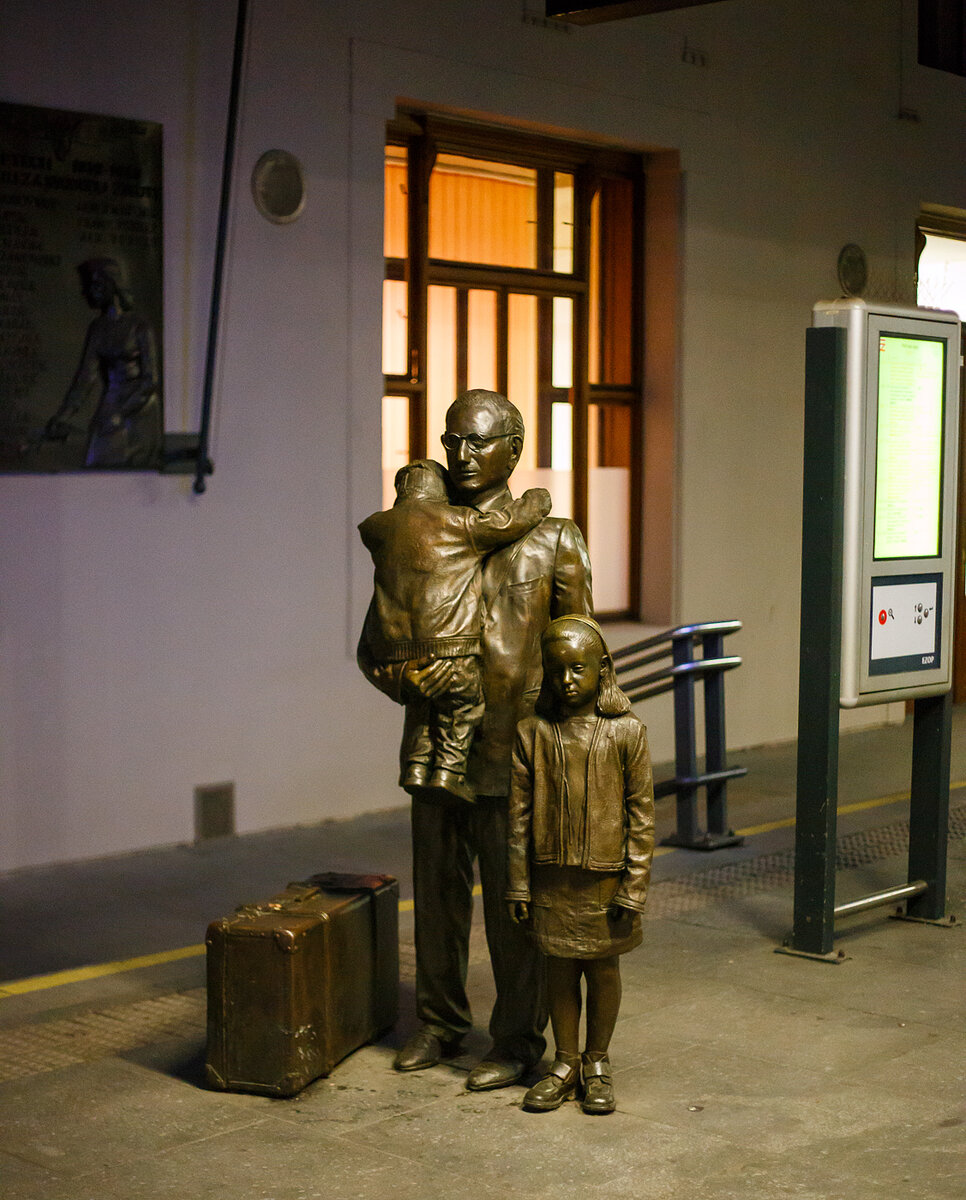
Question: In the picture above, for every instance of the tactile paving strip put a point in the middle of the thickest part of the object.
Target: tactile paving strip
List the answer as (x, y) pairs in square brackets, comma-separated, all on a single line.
[(672, 897), (66, 1041)]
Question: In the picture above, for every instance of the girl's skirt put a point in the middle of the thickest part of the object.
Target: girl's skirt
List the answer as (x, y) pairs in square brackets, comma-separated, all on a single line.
[(571, 916)]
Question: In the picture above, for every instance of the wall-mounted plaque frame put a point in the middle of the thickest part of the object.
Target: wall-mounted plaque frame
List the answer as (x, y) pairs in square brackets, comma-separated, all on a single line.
[(81, 308)]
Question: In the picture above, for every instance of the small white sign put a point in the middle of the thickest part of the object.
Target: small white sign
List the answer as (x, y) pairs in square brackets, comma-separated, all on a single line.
[(904, 620)]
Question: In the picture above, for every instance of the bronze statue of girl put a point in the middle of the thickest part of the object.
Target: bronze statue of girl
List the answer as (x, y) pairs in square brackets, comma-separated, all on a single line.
[(581, 839)]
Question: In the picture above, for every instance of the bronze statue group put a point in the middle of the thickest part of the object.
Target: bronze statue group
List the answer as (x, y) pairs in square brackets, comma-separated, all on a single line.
[(519, 751)]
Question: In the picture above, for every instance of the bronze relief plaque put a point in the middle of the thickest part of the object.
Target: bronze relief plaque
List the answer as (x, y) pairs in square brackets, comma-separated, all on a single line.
[(81, 262)]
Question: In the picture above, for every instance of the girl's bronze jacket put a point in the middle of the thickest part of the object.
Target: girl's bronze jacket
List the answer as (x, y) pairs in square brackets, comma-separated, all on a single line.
[(618, 821)]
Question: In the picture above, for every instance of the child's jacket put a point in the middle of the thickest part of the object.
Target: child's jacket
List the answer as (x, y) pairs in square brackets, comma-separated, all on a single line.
[(428, 583), (618, 825)]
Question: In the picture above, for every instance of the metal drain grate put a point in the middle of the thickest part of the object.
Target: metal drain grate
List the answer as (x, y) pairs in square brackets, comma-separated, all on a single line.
[(47, 1045), (671, 897), (67, 1041)]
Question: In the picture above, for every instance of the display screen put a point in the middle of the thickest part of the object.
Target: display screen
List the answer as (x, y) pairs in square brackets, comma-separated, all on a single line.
[(909, 447)]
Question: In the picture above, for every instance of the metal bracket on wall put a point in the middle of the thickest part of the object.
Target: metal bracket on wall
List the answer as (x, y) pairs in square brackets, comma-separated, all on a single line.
[(180, 453)]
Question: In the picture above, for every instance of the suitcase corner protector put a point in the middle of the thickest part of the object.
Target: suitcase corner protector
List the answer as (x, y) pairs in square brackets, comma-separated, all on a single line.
[(216, 929), (290, 1085), (214, 1080)]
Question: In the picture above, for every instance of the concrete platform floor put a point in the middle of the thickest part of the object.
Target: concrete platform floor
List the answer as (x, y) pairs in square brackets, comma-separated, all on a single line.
[(739, 1072)]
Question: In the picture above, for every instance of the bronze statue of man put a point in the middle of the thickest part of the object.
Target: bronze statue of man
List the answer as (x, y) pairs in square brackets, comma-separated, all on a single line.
[(525, 585)]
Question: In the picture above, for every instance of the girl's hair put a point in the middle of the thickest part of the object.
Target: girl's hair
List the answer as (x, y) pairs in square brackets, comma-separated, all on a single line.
[(611, 701)]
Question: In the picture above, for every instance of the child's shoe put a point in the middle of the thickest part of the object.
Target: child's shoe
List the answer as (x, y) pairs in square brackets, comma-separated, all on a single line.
[(598, 1086), (558, 1085), (451, 783), (415, 776)]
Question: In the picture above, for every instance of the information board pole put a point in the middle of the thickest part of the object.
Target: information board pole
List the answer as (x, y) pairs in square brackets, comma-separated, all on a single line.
[(819, 653), (929, 805), (878, 522)]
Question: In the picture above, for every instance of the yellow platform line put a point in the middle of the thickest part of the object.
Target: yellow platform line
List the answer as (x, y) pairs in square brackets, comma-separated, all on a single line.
[(39, 983), (842, 810)]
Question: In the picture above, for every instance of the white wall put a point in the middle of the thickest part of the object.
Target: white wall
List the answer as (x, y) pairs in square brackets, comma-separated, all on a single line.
[(152, 640)]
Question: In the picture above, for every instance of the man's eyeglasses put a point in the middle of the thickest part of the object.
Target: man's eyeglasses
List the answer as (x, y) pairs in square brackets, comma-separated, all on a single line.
[(474, 441)]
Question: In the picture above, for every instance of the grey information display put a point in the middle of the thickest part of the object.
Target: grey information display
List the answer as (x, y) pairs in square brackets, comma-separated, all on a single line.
[(80, 291), (899, 518)]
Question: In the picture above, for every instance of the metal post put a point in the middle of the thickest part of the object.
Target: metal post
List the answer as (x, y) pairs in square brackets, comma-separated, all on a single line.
[(685, 755), (203, 465), (714, 737), (820, 648), (929, 804)]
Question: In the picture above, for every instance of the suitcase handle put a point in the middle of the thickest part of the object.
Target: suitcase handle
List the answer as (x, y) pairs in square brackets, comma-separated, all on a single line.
[(282, 903), (335, 881), (302, 891)]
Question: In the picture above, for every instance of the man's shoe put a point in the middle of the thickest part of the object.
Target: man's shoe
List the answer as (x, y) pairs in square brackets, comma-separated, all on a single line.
[(495, 1073), (558, 1085), (598, 1085), (424, 1049)]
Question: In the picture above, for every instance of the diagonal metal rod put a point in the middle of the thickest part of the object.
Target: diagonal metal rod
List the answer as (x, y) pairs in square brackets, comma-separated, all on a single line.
[(203, 466), (905, 891)]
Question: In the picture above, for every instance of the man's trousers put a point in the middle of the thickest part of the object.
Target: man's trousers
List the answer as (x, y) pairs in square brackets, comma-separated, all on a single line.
[(446, 839)]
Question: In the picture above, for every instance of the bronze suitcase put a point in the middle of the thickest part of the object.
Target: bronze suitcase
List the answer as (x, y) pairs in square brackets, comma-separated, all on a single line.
[(300, 981)]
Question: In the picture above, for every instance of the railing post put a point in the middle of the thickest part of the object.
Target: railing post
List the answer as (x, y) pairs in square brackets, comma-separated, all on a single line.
[(714, 736), (685, 754), (680, 677)]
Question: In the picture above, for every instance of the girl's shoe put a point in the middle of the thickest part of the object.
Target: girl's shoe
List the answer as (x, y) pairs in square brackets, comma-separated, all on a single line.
[(558, 1085), (598, 1086)]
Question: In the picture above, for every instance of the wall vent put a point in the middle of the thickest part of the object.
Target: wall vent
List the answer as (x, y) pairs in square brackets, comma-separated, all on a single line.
[(214, 810)]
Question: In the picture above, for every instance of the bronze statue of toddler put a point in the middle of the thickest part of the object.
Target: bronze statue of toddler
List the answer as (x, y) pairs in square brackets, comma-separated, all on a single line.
[(427, 605)]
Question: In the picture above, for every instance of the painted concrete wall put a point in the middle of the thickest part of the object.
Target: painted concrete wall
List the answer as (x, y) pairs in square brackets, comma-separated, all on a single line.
[(152, 640)]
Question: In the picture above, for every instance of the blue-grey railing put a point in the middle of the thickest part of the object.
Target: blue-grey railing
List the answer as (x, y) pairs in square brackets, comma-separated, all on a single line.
[(679, 675)]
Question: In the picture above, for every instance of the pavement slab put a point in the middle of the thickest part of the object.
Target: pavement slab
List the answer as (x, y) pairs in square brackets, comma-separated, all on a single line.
[(741, 1074), (488, 1136)]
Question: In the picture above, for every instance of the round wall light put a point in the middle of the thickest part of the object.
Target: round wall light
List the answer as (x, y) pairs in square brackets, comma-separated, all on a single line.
[(278, 186)]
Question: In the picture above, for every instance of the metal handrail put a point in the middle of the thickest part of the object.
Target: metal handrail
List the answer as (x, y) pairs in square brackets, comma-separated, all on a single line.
[(679, 676), (702, 666), (679, 632)]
